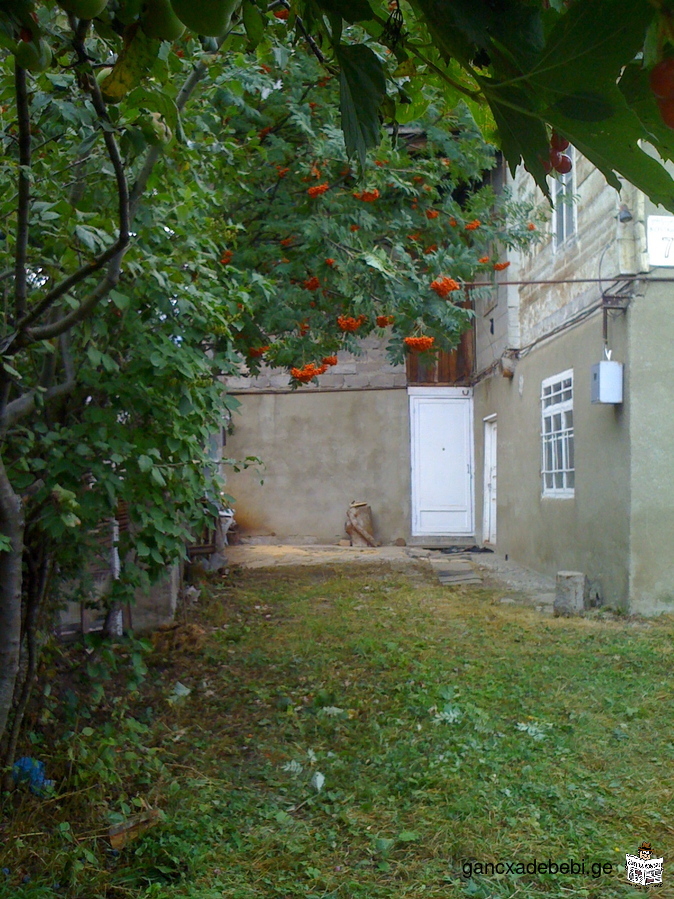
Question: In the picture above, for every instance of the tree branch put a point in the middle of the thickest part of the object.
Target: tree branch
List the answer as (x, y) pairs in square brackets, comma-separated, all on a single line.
[(112, 256), (67, 284), (25, 404), (23, 206), (153, 155)]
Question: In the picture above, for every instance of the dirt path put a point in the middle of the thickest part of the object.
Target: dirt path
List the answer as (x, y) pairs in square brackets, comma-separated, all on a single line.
[(519, 585)]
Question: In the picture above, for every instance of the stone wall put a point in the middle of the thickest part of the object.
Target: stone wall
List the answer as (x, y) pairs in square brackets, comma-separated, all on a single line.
[(370, 369)]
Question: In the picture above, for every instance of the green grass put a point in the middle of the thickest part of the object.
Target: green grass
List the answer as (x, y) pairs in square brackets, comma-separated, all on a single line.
[(442, 728)]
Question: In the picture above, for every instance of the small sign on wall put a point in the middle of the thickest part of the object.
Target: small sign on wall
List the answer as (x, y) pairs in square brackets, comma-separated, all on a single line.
[(660, 238)]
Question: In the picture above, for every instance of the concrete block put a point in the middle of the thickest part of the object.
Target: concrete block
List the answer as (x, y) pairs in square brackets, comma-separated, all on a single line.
[(357, 381), (382, 380), (571, 596), (158, 606)]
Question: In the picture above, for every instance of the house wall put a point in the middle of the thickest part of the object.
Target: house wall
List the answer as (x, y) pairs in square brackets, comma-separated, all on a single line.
[(651, 383), (321, 450), (589, 532)]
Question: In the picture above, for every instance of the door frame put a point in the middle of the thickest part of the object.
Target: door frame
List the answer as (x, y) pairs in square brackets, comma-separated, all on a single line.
[(462, 393), (489, 500)]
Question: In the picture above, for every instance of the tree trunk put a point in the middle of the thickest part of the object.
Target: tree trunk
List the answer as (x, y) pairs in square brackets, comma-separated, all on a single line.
[(39, 576), (12, 527)]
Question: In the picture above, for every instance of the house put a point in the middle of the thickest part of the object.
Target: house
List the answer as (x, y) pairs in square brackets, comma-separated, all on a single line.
[(501, 443)]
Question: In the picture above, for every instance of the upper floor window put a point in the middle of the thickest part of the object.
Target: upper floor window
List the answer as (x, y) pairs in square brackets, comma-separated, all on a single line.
[(558, 467), (563, 196)]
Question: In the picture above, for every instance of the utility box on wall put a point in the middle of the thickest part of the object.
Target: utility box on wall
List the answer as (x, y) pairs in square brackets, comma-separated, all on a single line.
[(607, 382)]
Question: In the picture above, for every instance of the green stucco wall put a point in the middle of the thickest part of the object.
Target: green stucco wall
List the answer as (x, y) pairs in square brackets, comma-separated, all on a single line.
[(590, 532), (651, 353)]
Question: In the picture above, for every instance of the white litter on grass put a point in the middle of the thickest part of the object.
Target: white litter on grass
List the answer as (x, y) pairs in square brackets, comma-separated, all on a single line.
[(179, 692), (332, 711), (317, 781)]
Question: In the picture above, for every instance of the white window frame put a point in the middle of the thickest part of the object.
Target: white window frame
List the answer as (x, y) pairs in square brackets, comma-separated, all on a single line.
[(564, 213), (558, 475)]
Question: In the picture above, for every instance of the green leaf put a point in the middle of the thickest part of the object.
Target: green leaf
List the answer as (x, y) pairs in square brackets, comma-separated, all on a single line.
[(613, 146), (254, 23), (349, 10), (120, 300), (362, 89), (588, 47), (634, 86), (145, 463), (522, 135), (158, 477), (585, 106)]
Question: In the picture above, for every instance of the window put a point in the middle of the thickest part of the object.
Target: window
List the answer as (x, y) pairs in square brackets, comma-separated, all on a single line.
[(557, 435), (563, 196)]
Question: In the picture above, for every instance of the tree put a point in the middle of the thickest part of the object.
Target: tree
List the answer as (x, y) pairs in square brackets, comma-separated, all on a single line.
[(113, 334), (115, 338)]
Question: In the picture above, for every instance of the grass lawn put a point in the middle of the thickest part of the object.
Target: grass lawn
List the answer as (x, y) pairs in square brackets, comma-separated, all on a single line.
[(360, 733)]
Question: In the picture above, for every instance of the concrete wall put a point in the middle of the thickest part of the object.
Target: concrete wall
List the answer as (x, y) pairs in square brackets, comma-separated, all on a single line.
[(589, 532), (321, 450), (651, 384)]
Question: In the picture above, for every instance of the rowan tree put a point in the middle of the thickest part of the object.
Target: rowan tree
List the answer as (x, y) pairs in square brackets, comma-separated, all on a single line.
[(144, 212)]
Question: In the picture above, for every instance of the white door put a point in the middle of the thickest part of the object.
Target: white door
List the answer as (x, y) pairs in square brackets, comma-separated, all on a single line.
[(442, 461), (489, 508)]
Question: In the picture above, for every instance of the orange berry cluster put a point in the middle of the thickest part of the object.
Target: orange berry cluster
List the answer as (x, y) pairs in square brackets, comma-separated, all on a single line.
[(432, 213), (307, 372), (287, 241), (499, 266), (432, 248), (443, 286), (226, 257), (329, 360), (384, 320), (312, 283), (419, 343), (368, 196), (281, 14), (354, 227), (318, 189), (257, 351), (483, 260), (349, 323), (474, 225), (282, 170), (330, 262)]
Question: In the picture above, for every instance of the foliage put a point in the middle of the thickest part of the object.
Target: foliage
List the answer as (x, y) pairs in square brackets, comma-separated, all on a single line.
[(146, 265), (512, 746)]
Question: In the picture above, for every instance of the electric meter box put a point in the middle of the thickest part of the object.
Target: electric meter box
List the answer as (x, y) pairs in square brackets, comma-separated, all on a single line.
[(607, 382)]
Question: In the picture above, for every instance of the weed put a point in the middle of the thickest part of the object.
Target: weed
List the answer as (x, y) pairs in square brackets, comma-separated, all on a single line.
[(358, 735)]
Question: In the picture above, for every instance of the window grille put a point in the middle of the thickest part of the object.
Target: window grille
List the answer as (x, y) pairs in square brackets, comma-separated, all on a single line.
[(557, 468)]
